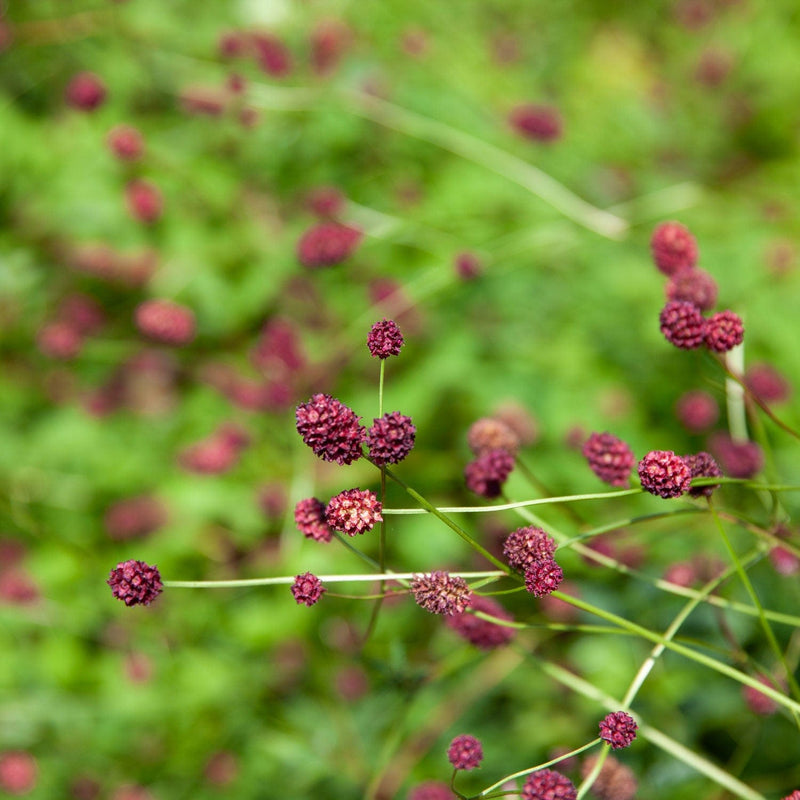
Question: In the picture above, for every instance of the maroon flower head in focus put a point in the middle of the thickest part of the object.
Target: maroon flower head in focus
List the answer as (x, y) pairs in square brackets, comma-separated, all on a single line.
[(165, 322), (480, 632), (703, 465), (309, 516), (85, 92), (693, 286), (682, 324), (697, 411), (327, 244), (526, 545), (724, 330), (488, 472), (536, 122), (441, 593), (673, 247), (126, 143), (307, 589), (609, 458), (145, 201), (547, 784), (465, 752), (384, 339), (330, 429), (135, 583), (618, 729), (543, 577), (391, 438), (665, 474), (354, 511)]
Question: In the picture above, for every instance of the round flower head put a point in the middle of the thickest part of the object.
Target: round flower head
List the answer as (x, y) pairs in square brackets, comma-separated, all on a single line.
[(766, 382), (441, 593), (737, 459), (60, 340), (326, 201), (618, 729), (391, 438), (309, 516), (134, 517), (536, 122), (135, 583), (488, 472), (673, 247), (166, 322), (431, 790), (468, 266), (85, 91), (724, 330), (145, 201), (524, 546), (547, 784), (489, 433), (694, 286), (126, 143), (697, 411), (795, 795), (330, 429), (702, 465), (384, 339), (663, 473), (480, 632), (682, 324), (327, 244), (354, 511), (307, 589), (757, 701), (465, 752), (615, 781), (609, 458), (543, 577), (18, 772), (784, 561)]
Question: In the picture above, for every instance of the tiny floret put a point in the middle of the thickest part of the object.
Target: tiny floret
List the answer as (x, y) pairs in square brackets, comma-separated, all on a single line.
[(673, 247), (543, 577), (384, 339), (309, 516), (135, 583), (391, 438), (665, 474), (609, 458), (524, 546), (330, 429), (488, 472), (354, 511), (547, 784), (465, 752), (703, 465), (682, 324), (441, 593), (307, 589), (618, 729), (724, 330)]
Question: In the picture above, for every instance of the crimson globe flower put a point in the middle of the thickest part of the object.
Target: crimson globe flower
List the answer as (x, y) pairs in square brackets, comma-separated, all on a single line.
[(441, 593), (354, 511), (465, 752), (609, 458), (330, 429), (135, 583), (618, 729), (665, 474)]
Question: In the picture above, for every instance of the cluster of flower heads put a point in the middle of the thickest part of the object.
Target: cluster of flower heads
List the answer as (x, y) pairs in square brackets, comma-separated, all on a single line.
[(690, 291), (495, 444), (531, 550)]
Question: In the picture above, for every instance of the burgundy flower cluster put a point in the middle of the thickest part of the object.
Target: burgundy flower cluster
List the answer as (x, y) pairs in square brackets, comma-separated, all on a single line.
[(480, 632), (307, 589), (327, 244), (441, 593), (609, 458), (465, 752), (618, 729), (135, 583), (547, 784), (531, 550)]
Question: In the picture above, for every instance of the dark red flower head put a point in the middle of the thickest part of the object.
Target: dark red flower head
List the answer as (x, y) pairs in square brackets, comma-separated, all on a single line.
[(488, 472), (489, 433), (697, 411), (609, 458), (384, 339), (737, 459), (468, 266), (166, 322), (618, 729), (126, 143), (615, 781), (702, 465), (354, 511), (663, 473), (134, 517), (326, 202), (480, 632), (543, 577), (465, 752), (327, 244), (682, 324), (60, 340), (724, 330), (145, 201), (307, 589), (536, 122), (673, 247), (85, 91), (526, 545), (309, 516), (431, 790), (766, 382), (330, 429), (135, 583), (391, 438), (693, 286), (795, 795), (18, 772), (547, 784), (441, 593)]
